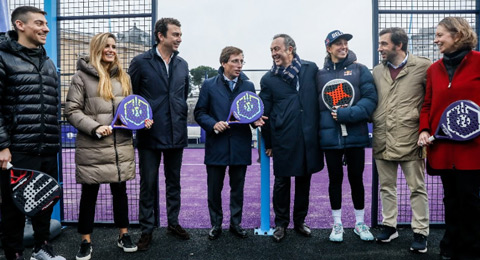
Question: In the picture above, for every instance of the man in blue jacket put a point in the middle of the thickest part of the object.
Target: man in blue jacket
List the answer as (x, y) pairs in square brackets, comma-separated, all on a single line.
[(161, 77), (289, 94), (226, 145)]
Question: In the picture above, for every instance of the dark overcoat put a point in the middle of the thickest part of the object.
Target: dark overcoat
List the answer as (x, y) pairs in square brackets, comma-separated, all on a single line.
[(233, 146), (167, 94), (292, 128)]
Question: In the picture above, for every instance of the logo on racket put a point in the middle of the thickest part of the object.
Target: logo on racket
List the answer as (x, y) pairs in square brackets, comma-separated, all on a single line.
[(32, 202), (338, 94), (247, 107), (462, 120), (136, 111)]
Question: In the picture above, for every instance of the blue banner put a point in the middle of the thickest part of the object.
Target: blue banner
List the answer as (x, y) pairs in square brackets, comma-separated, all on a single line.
[(4, 16)]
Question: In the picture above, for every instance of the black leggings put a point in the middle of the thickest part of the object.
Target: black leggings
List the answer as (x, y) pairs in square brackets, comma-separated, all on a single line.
[(355, 159), (88, 201)]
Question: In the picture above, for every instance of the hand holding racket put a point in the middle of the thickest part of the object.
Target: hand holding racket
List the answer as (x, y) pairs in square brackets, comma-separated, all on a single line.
[(133, 113), (33, 192), (338, 93), (459, 122), (245, 109)]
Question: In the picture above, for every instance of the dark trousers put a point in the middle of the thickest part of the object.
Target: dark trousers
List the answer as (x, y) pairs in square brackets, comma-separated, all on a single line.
[(355, 159), (215, 178), (462, 214), (281, 200), (149, 162), (13, 220), (88, 200)]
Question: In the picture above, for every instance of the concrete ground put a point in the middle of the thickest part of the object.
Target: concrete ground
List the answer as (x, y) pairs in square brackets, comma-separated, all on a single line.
[(229, 246)]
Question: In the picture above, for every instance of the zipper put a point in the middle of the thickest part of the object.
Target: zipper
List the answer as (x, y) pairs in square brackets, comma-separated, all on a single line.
[(453, 76), (115, 145), (42, 109)]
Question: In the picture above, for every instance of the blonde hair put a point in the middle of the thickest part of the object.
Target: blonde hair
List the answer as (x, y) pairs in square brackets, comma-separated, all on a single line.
[(97, 45), (460, 26)]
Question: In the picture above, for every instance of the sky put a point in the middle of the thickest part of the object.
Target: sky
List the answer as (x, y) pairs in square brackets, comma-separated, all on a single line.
[(208, 26)]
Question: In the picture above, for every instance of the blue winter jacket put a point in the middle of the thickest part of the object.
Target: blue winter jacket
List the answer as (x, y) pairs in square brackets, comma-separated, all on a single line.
[(354, 117)]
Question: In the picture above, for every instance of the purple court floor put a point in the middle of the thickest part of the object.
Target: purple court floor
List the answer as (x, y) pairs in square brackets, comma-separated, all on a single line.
[(194, 209)]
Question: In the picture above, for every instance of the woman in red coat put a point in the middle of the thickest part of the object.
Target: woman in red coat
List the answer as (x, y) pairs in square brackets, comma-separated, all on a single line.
[(454, 77)]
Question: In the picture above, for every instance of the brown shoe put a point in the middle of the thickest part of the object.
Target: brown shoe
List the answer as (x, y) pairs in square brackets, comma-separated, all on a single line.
[(144, 242), (178, 231)]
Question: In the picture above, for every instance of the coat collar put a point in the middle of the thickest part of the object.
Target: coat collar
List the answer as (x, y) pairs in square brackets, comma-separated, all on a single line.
[(301, 76), (224, 89), (152, 57), (411, 62)]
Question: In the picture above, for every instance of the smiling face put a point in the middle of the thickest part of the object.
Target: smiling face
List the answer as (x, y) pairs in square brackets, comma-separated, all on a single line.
[(338, 50), (32, 33), (172, 40), (387, 48), (110, 51), (445, 40), (280, 54), (233, 67)]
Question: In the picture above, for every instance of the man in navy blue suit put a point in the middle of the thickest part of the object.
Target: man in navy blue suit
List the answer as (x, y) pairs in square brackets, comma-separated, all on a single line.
[(226, 145)]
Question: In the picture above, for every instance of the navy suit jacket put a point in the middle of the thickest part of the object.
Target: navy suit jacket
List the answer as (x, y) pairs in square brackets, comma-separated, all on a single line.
[(233, 146)]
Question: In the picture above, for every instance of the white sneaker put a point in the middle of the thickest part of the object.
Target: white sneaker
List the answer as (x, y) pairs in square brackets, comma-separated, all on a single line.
[(46, 253), (337, 233), (363, 232)]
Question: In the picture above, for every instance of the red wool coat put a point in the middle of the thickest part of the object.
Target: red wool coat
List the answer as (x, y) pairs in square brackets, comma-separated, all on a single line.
[(444, 154)]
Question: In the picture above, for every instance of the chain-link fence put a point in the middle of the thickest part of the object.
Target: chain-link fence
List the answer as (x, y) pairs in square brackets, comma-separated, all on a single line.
[(77, 22)]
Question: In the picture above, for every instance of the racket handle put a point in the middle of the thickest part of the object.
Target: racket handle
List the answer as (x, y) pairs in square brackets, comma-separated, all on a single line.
[(9, 165), (100, 136), (344, 130), (216, 131), (431, 138)]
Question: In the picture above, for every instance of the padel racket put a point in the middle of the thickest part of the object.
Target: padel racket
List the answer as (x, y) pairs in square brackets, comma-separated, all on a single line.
[(33, 192), (245, 109), (131, 113), (338, 92), (459, 122)]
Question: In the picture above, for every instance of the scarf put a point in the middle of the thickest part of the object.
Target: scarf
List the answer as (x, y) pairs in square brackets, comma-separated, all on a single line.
[(452, 60), (288, 74)]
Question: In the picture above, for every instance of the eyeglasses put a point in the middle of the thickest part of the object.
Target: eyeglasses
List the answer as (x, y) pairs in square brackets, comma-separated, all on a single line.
[(238, 62)]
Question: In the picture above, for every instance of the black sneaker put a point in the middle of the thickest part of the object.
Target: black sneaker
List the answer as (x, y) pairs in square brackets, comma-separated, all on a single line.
[(85, 251), (387, 234), (419, 244), (126, 243)]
